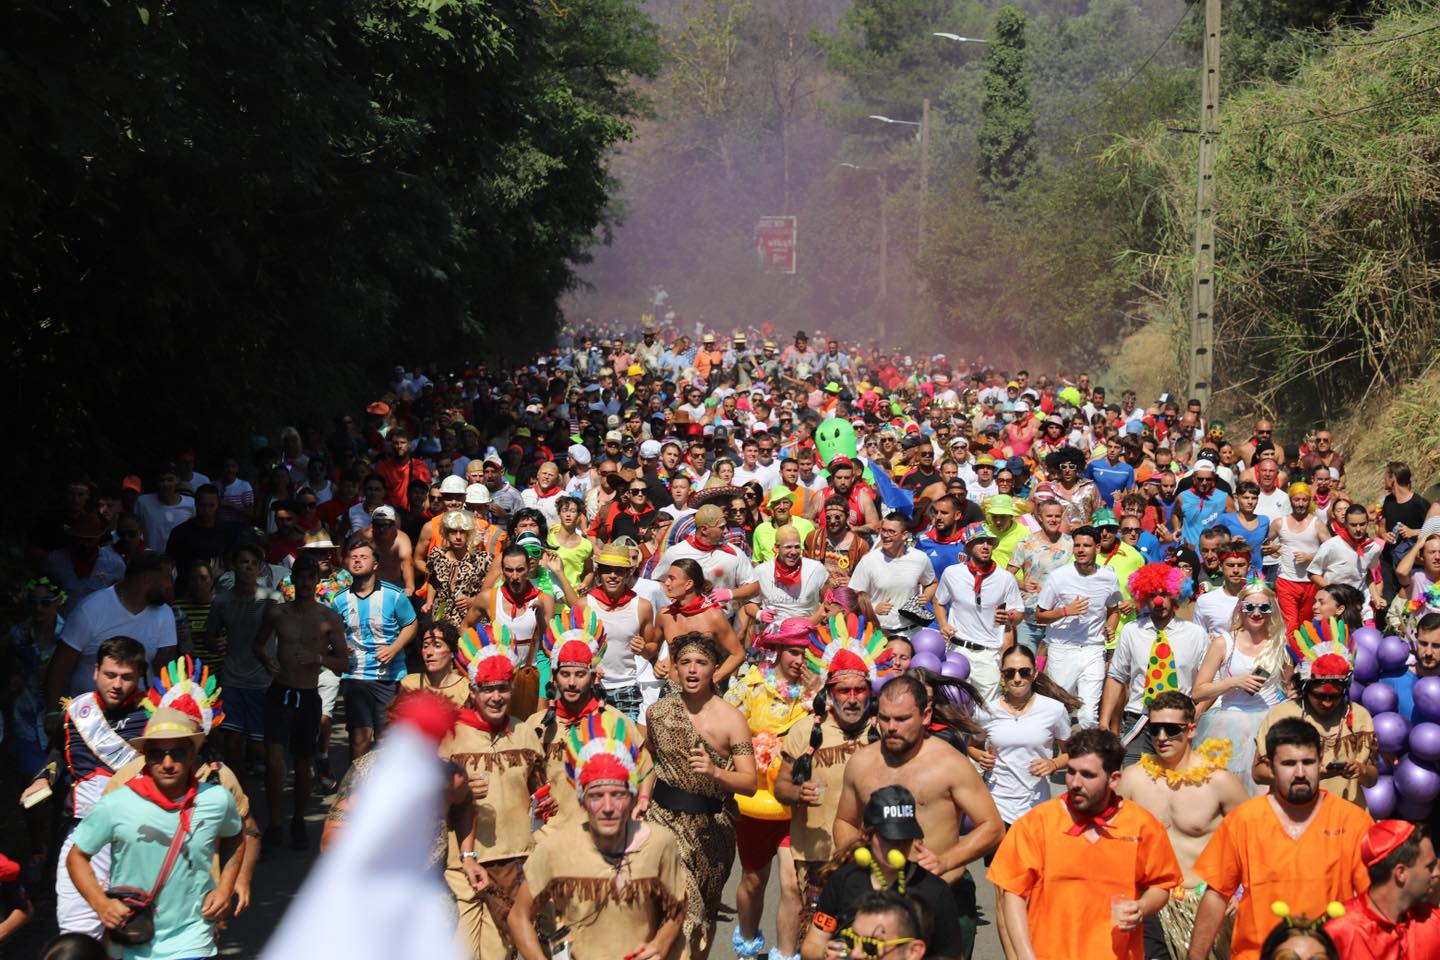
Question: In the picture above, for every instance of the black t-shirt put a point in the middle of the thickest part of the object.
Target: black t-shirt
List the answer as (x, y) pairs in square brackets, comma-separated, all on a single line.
[(915, 480), (938, 910), (971, 512), (1411, 513)]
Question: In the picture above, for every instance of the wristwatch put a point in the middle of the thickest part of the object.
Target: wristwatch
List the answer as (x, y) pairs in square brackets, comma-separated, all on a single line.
[(469, 855)]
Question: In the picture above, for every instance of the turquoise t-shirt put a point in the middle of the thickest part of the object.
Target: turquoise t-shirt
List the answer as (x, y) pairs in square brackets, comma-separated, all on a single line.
[(139, 834)]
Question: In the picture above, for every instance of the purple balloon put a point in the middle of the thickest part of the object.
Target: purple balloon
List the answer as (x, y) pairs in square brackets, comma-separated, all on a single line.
[(927, 661), (1366, 638), (877, 683), (1383, 765), (1424, 742), (1415, 781), (1380, 799), (956, 665), (1380, 698), (1367, 666), (1393, 654), (1415, 811), (966, 825), (1426, 695), (929, 641), (1357, 690), (1392, 731)]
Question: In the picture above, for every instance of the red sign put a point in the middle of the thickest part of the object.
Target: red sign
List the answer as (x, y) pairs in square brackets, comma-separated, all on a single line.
[(775, 244)]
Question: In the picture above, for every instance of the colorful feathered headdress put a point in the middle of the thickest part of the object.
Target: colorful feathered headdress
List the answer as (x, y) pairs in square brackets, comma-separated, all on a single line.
[(486, 656), (574, 637), (848, 644), (1322, 649), (187, 685), (1158, 580), (597, 752)]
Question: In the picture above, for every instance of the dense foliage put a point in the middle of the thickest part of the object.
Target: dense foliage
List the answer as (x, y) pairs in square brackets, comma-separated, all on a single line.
[(1007, 133), (218, 215)]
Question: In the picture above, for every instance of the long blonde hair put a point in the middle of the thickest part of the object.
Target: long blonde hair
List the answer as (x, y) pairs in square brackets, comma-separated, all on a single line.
[(460, 520), (1272, 654)]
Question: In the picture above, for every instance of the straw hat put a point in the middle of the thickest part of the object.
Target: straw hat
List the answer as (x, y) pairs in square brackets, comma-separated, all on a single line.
[(167, 723)]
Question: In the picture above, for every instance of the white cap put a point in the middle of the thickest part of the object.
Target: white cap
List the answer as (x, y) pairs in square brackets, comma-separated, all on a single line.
[(452, 484), (650, 449), (1022, 406), (614, 435), (1204, 468), (612, 421), (384, 512), (579, 453), (477, 493)]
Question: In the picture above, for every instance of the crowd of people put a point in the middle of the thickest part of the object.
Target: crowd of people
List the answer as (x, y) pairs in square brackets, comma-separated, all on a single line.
[(842, 614)]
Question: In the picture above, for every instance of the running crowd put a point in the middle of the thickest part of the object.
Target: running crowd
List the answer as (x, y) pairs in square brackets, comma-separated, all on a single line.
[(822, 605)]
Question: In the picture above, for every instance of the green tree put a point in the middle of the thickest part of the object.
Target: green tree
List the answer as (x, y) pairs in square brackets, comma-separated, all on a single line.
[(1008, 152)]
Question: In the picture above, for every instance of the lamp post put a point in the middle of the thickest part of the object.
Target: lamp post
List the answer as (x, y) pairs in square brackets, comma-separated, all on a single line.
[(957, 38), (924, 124)]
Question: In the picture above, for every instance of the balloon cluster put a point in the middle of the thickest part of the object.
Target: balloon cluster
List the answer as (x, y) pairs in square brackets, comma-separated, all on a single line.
[(931, 654), (1410, 782)]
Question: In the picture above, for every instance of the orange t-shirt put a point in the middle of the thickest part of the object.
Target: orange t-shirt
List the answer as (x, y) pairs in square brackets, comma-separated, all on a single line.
[(1250, 847), (1068, 881)]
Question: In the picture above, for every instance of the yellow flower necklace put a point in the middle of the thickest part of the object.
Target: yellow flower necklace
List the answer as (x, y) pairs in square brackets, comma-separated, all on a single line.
[(1215, 753)]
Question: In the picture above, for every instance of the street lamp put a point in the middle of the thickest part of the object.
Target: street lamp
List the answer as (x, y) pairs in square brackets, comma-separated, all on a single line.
[(958, 39), (908, 123)]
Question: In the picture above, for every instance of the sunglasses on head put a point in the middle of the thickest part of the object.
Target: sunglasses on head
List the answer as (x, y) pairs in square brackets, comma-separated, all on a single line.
[(1169, 729), (1256, 607), (158, 754), (1024, 673)]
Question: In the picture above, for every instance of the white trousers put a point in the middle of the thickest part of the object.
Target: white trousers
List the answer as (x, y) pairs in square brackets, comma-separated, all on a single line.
[(1080, 669), (72, 911), (984, 672)]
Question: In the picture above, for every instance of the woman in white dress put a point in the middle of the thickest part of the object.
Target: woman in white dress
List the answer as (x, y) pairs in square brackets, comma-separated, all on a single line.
[(1248, 670)]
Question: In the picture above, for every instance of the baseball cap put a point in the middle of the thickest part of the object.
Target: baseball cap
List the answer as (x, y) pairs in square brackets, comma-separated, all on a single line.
[(613, 421), (778, 491), (452, 484), (385, 512), (579, 453), (890, 813), (1204, 468), (1103, 518), (650, 449), (614, 436)]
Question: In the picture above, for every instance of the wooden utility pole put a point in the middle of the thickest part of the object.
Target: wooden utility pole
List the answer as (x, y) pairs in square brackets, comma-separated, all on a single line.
[(1202, 295)]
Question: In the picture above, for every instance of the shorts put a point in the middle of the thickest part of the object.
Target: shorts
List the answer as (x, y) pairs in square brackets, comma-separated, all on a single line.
[(329, 687), (292, 719), (628, 700), (366, 702), (244, 712), (758, 841)]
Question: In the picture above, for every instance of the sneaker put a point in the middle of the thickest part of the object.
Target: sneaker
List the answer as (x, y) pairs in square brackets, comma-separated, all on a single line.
[(326, 785), (298, 839), (271, 840)]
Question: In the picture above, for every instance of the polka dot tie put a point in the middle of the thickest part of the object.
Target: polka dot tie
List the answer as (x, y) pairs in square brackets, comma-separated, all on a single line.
[(1160, 670)]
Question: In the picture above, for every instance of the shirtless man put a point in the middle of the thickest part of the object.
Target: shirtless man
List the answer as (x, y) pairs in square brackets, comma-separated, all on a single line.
[(946, 789), (1189, 791), (393, 550), (308, 636), (690, 611)]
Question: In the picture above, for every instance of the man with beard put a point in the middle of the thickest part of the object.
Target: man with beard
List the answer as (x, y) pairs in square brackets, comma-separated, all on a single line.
[(484, 867), (1395, 917), (97, 726), (1298, 843), (942, 542), (945, 785), (576, 645), (1189, 790), (576, 871), (861, 512), (835, 544), (815, 750)]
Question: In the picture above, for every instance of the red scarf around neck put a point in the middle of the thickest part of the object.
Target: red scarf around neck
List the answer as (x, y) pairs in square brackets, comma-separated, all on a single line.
[(602, 598), (591, 705), (952, 537), (518, 604), (787, 578), (473, 718), (1083, 822), (979, 573), (148, 789), (1340, 531), (699, 605), (695, 542)]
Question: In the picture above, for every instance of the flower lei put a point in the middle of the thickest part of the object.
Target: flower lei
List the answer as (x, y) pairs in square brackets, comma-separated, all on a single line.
[(1216, 754), (785, 690)]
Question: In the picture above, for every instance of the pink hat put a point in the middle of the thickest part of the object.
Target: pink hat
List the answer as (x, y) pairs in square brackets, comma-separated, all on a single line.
[(792, 632)]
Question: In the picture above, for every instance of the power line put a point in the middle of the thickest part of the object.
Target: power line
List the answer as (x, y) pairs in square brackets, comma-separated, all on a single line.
[(1153, 54), (1371, 43), (1361, 109)]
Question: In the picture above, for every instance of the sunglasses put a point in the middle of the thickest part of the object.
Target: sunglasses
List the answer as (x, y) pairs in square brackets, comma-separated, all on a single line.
[(159, 754), (1129, 529), (640, 490), (1256, 607), (1169, 729), (870, 946), (617, 571), (1024, 673), (49, 601)]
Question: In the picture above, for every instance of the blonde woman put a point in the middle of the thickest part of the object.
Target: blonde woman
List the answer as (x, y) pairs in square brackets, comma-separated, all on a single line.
[(1246, 672), (457, 569)]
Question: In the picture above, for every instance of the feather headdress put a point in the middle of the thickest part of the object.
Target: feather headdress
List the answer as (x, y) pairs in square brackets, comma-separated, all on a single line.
[(1322, 647), (486, 656), (576, 636), (597, 752), (847, 643), (187, 685)]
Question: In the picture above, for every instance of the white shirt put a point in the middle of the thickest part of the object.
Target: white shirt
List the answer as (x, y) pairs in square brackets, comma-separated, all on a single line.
[(1214, 611), (1065, 585), (158, 519), (1337, 562), (975, 623), (731, 570), (1275, 505), (101, 616), (1016, 743), (813, 578), (763, 475), (896, 579), (977, 494), (1187, 640)]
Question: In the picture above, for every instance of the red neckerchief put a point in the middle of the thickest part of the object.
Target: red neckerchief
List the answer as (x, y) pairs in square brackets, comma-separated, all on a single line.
[(146, 788), (473, 718), (555, 491), (1083, 822), (633, 514), (612, 605), (694, 608), (1111, 555), (695, 542), (979, 573), (952, 537), (784, 577), (1340, 531), (517, 604), (592, 705)]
